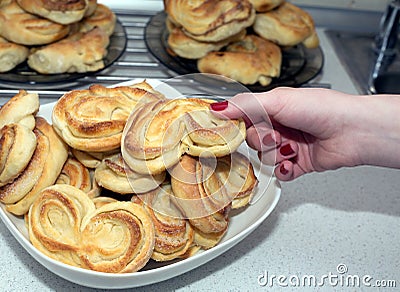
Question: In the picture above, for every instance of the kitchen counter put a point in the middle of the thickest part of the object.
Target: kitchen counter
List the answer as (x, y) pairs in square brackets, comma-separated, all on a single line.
[(326, 225)]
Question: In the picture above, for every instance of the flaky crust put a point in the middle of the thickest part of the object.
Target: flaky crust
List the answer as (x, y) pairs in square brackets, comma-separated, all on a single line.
[(210, 20), (287, 25), (11, 55), (75, 174), (60, 11), (103, 17), (265, 5), (92, 120), (23, 28), (248, 61), (80, 52)]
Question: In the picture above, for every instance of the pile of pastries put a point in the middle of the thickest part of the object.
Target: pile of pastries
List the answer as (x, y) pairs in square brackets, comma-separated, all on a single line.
[(55, 36), (122, 175), (242, 40)]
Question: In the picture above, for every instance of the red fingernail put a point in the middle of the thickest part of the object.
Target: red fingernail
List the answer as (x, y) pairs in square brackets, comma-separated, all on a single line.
[(286, 150), (268, 140), (283, 170), (219, 106)]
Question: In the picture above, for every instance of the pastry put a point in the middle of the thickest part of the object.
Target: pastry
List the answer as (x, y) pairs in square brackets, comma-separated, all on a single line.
[(117, 237), (21, 27), (159, 133), (11, 55), (248, 61), (91, 159), (103, 17), (80, 52), (92, 120), (265, 5), (287, 25), (210, 21), (42, 170), (60, 11), (21, 109), (114, 175), (75, 174)]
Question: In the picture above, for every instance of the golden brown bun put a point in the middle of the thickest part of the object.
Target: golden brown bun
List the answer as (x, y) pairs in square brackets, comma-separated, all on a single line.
[(210, 21), (92, 120), (82, 236), (92, 5), (248, 61), (189, 48), (103, 18), (42, 171), (23, 28), (11, 55), (60, 11), (80, 52), (21, 109), (265, 5), (159, 133), (75, 174), (287, 25)]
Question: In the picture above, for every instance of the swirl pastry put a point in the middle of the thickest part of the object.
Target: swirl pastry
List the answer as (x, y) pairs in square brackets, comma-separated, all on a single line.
[(24, 28), (21, 109), (11, 55), (210, 21), (159, 133), (114, 175), (92, 120), (287, 25), (103, 17), (42, 170), (248, 61), (174, 234), (75, 174), (265, 5), (60, 11), (64, 224), (17, 144), (80, 52), (91, 159)]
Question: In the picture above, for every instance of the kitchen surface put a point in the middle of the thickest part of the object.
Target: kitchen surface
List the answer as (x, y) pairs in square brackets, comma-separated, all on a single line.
[(331, 231)]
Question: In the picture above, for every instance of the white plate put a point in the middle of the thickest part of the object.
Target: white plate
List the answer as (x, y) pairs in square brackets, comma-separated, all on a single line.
[(242, 223)]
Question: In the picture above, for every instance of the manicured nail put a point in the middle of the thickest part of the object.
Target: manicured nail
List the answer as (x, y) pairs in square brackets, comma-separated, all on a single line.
[(283, 170), (286, 150), (219, 106), (268, 140)]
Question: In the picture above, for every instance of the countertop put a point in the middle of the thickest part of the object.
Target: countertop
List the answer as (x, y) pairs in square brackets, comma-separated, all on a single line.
[(324, 222)]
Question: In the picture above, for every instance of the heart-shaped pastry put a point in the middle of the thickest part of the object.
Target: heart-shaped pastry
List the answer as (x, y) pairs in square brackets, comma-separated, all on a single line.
[(64, 224)]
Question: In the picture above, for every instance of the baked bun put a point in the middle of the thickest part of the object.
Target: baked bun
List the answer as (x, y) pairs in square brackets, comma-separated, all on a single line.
[(189, 48), (103, 17), (80, 52), (92, 120), (18, 26), (60, 11), (159, 133), (11, 55), (287, 25), (75, 174), (210, 21), (265, 5), (248, 61)]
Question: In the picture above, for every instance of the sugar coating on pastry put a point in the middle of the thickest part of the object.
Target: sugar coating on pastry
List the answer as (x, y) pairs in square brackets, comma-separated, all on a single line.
[(287, 25), (11, 55), (210, 20), (248, 61), (74, 173)]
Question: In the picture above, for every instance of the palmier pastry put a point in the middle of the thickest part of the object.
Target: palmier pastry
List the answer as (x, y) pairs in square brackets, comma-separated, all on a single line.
[(159, 133), (248, 61), (75, 174), (189, 48), (117, 237), (210, 21), (114, 175), (101, 201), (174, 234), (42, 170), (103, 17), (21, 108), (11, 55), (287, 25), (60, 11), (92, 120), (17, 144), (23, 28), (265, 5), (80, 52)]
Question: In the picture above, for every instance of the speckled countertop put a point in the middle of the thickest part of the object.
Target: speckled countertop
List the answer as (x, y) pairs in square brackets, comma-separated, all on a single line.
[(335, 227)]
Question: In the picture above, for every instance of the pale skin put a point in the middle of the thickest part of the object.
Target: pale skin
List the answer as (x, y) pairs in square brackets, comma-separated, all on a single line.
[(318, 129)]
